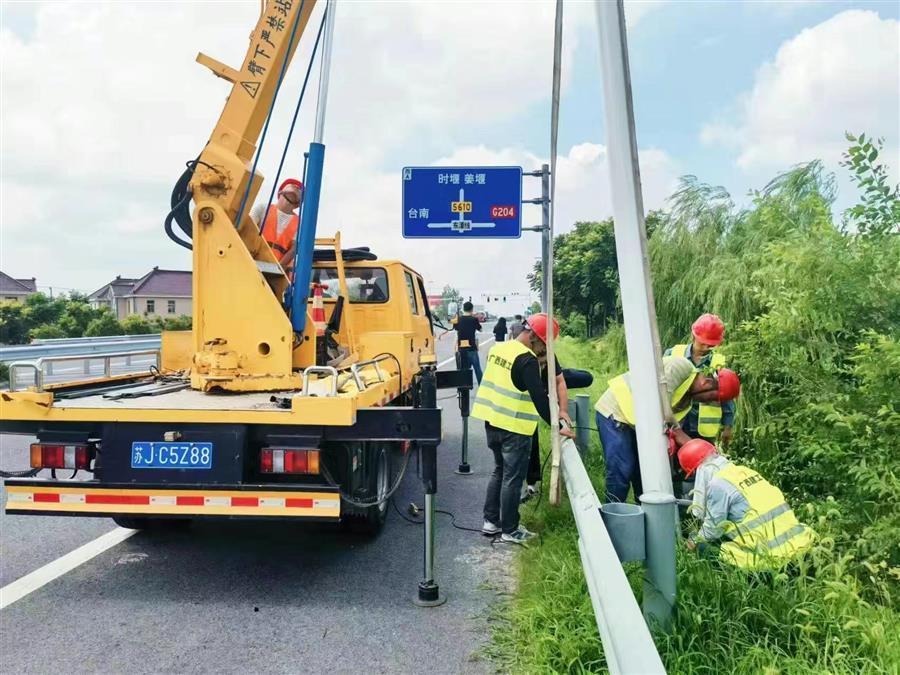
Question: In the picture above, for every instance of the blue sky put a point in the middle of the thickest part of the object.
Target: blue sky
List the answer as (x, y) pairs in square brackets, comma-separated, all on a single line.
[(689, 62)]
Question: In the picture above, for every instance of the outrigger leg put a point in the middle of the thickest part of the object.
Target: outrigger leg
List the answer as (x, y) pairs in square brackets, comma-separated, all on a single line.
[(429, 594)]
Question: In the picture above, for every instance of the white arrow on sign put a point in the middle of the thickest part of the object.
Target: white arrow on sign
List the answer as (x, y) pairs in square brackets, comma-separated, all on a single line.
[(461, 225)]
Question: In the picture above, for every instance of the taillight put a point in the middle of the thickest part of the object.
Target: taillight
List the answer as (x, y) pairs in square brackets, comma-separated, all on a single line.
[(273, 460), (53, 456)]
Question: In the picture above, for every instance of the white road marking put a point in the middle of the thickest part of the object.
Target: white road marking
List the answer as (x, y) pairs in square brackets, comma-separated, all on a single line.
[(453, 358), (19, 588)]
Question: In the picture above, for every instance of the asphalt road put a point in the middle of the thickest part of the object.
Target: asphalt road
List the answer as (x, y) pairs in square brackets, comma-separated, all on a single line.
[(228, 597)]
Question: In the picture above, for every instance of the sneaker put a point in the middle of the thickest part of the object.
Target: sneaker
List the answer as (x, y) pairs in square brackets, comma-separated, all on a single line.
[(489, 529), (530, 491), (518, 536)]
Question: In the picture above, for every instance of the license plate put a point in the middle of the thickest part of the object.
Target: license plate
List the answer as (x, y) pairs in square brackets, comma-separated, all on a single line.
[(153, 455)]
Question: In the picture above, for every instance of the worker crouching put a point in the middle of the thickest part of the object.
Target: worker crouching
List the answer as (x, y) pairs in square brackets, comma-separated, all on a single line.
[(510, 399), (744, 517), (616, 419)]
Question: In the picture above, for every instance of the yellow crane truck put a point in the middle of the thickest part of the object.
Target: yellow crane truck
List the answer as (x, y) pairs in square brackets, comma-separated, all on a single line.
[(282, 402)]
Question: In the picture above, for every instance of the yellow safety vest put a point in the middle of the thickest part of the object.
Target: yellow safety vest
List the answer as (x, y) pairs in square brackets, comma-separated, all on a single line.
[(498, 401), (621, 389), (709, 415), (769, 535)]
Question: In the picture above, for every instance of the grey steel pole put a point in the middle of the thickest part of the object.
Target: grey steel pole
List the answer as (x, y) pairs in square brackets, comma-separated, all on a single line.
[(325, 71), (545, 234), (462, 395), (641, 336), (554, 492), (583, 417)]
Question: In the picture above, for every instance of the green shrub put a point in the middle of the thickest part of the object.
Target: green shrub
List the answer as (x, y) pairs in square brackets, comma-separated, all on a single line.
[(812, 309)]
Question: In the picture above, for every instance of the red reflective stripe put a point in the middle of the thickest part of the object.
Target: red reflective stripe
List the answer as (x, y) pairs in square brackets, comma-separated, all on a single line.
[(245, 501), (189, 501), (46, 497), (116, 499), (299, 503)]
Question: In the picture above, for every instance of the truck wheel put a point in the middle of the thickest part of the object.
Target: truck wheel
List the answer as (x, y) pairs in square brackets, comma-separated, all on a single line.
[(143, 523), (376, 482), (132, 523)]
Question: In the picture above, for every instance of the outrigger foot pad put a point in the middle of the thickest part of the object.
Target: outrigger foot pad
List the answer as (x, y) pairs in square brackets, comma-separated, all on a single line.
[(464, 470), (429, 595)]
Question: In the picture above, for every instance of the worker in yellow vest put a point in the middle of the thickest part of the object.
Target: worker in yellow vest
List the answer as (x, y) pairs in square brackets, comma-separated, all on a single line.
[(280, 223), (616, 420), (743, 516), (511, 399), (706, 419)]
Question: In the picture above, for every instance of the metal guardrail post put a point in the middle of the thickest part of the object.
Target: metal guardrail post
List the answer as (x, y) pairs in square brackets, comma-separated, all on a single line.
[(627, 643), (660, 515), (583, 426)]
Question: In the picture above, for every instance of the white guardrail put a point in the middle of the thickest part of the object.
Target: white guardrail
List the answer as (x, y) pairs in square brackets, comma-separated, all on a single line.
[(59, 360), (627, 643)]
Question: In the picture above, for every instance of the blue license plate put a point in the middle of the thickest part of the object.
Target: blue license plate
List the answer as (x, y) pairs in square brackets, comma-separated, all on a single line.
[(153, 455)]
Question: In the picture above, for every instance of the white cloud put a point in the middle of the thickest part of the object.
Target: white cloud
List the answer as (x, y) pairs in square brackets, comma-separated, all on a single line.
[(840, 75), (101, 103)]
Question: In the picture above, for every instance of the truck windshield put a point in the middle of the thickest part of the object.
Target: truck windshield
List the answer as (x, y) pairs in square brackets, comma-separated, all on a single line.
[(364, 284)]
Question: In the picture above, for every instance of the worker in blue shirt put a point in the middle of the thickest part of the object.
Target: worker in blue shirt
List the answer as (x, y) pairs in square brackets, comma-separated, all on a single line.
[(707, 419)]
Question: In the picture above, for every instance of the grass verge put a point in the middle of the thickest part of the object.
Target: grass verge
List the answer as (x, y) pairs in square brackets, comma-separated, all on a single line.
[(820, 620)]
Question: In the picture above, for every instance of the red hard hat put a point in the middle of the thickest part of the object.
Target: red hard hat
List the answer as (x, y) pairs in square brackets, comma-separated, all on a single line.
[(538, 324), (729, 384), (709, 328), (692, 454), (290, 181)]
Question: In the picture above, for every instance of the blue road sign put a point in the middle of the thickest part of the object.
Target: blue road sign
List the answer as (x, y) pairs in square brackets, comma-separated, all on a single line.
[(462, 202)]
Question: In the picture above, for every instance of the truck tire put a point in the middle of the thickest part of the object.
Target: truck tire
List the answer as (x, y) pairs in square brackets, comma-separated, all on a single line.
[(132, 522), (377, 480), (144, 523)]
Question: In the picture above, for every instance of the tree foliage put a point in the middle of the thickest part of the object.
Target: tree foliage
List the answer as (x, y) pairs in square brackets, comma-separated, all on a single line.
[(42, 317), (812, 309), (586, 276)]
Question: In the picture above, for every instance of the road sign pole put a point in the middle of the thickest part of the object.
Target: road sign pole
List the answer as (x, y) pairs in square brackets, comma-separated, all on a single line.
[(545, 235), (638, 309)]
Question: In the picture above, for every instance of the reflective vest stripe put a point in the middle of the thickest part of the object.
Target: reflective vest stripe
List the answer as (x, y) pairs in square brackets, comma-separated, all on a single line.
[(511, 393), (280, 243), (498, 401), (748, 525), (518, 414), (769, 534), (709, 415)]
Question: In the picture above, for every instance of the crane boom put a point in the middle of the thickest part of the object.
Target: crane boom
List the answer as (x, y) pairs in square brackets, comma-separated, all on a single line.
[(242, 337)]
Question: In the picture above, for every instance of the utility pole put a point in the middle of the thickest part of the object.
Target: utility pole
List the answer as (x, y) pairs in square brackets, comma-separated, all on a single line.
[(639, 311), (544, 227)]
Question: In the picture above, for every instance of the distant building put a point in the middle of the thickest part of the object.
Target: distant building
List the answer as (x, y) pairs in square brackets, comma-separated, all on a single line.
[(435, 301), (16, 290), (157, 293)]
